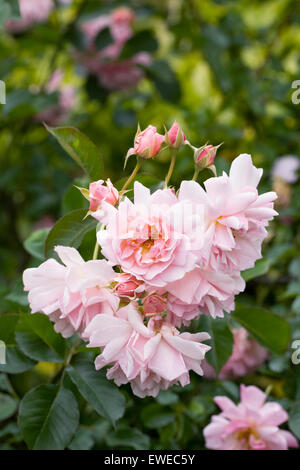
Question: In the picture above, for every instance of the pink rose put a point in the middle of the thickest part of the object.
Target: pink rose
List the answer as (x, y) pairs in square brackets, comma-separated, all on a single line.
[(175, 136), (250, 425), (147, 143), (59, 112), (99, 193), (152, 357), (143, 238), (30, 14), (234, 223), (70, 294)]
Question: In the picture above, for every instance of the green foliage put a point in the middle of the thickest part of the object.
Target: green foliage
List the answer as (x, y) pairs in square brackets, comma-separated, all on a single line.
[(264, 326), (48, 417), (69, 230), (101, 394)]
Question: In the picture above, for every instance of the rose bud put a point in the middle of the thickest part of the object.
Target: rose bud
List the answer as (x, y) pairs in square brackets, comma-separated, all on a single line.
[(147, 143), (154, 304), (205, 156), (98, 192), (128, 286), (175, 137)]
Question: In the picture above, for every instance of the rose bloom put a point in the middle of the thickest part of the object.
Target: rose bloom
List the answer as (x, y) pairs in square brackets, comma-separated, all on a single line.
[(31, 13), (70, 294), (235, 215), (147, 143), (247, 356), (203, 291), (142, 237), (250, 425), (152, 357)]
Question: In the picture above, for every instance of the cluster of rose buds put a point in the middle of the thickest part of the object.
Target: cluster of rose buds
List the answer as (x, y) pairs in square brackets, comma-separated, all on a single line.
[(112, 72), (168, 257)]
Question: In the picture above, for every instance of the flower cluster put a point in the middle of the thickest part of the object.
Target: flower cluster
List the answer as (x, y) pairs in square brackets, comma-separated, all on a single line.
[(168, 258), (112, 71)]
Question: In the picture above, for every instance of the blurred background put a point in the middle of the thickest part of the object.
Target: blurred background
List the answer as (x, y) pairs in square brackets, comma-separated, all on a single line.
[(227, 72)]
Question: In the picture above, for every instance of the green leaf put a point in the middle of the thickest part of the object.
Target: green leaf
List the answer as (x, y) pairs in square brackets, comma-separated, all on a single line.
[(83, 439), (73, 199), (165, 397), (128, 437), (16, 361), (165, 80), (100, 393), (35, 243), (269, 329), (261, 267), (37, 339), (48, 417), (17, 294), (142, 41), (221, 341), (155, 416), (103, 39), (5, 13), (69, 230), (8, 406), (294, 419), (81, 149)]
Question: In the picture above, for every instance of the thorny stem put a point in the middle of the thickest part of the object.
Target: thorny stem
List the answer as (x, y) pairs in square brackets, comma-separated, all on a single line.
[(131, 178), (171, 168)]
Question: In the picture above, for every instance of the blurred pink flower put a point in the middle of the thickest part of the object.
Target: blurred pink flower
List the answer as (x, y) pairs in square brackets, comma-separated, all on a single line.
[(59, 112), (247, 356), (152, 357), (70, 294), (31, 13), (250, 425), (286, 168), (112, 74)]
